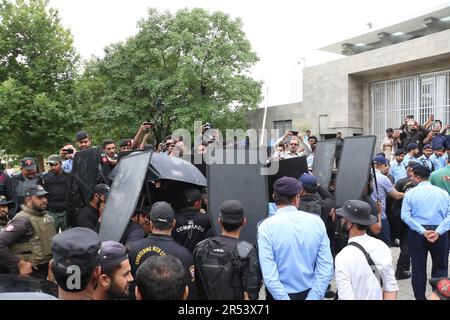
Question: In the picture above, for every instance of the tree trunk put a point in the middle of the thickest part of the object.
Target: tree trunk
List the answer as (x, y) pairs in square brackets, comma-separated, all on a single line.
[(40, 164)]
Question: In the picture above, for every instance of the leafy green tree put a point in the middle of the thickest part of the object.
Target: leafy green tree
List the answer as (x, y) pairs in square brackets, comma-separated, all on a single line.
[(197, 62), (37, 68)]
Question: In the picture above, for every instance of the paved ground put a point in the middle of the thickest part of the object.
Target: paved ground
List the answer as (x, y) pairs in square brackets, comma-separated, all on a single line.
[(405, 288)]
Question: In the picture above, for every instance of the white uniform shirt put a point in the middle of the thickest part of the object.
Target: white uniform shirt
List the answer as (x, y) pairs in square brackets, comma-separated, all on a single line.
[(355, 280)]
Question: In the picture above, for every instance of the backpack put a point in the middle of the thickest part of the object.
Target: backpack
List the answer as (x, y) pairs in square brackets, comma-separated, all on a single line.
[(219, 272)]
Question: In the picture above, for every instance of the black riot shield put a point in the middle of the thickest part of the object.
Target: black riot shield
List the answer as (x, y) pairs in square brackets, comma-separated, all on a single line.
[(323, 161), (124, 194), (242, 182), (293, 167), (84, 176), (354, 168)]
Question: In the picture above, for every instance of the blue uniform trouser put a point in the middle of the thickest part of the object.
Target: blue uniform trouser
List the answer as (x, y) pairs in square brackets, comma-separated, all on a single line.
[(385, 233), (418, 250)]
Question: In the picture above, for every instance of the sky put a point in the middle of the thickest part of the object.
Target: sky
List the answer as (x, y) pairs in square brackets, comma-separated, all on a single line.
[(284, 34)]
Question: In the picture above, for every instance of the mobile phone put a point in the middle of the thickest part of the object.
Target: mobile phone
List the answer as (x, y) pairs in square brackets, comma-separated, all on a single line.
[(294, 133), (410, 116)]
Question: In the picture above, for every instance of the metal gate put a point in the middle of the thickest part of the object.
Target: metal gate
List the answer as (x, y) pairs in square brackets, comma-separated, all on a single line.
[(420, 96)]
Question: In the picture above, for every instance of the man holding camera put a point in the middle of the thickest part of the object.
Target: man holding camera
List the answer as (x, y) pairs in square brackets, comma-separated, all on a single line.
[(412, 132), (296, 139), (66, 154), (56, 183)]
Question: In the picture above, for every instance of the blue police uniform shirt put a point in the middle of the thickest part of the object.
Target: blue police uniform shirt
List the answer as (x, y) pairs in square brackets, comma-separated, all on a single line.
[(426, 204), (439, 162), (272, 208), (407, 159), (384, 188), (397, 170), (426, 162), (294, 254)]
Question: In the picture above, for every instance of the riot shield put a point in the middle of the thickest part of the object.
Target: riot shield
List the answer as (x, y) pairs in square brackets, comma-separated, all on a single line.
[(323, 161), (84, 176), (124, 194), (242, 182), (354, 168), (293, 167)]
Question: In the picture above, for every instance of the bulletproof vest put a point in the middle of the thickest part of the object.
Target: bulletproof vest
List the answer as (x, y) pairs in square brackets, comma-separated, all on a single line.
[(189, 230), (310, 204), (38, 248), (22, 186), (2, 183), (219, 273), (57, 189)]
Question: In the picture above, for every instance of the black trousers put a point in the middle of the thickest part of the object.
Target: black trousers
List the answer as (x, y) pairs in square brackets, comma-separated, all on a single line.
[(418, 249), (404, 261)]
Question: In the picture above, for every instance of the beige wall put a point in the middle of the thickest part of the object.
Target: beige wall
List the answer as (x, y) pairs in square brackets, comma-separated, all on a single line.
[(337, 93)]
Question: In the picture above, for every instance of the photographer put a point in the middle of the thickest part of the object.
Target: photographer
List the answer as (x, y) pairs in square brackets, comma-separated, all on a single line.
[(412, 132), (67, 152), (143, 136), (296, 139), (437, 135)]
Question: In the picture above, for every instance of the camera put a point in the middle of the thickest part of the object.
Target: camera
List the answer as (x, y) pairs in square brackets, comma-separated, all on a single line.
[(69, 150)]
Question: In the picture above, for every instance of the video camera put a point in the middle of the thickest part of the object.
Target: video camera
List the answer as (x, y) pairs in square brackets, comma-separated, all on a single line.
[(68, 150)]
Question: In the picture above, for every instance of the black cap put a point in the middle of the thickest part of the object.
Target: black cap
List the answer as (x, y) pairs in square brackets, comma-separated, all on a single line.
[(287, 186), (35, 190), (76, 247), (112, 254), (380, 159), (101, 188), (358, 212), (441, 286), (192, 195), (399, 152), (125, 143), (412, 146), (421, 170), (232, 211), (81, 135), (28, 163), (389, 130), (4, 201), (162, 211)]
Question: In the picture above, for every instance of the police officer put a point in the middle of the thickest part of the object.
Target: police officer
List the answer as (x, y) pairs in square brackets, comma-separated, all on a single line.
[(125, 145), (243, 279), (191, 226), (90, 216), (83, 140), (426, 211), (25, 244), (138, 227), (4, 209), (160, 242), (56, 182), (6, 187), (23, 180)]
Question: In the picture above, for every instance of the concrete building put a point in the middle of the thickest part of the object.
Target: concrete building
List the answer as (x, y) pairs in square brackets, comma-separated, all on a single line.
[(387, 74)]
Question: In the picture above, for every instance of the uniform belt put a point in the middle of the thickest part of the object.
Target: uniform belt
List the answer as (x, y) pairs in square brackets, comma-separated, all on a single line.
[(430, 226)]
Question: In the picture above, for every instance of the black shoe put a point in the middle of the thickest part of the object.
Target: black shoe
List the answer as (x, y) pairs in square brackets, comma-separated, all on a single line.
[(402, 274), (329, 294)]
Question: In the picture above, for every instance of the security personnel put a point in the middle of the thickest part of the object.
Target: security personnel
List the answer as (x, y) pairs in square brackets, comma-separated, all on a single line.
[(191, 226), (4, 209), (90, 216), (56, 182), (25, 244), (6, 188), (425, 158), (160, 242), (125, 145), (243, 280), (23, 180), (426, 211), (138, 227)]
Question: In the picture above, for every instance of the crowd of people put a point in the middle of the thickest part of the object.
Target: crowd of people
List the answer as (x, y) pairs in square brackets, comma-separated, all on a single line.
[(170, 250)]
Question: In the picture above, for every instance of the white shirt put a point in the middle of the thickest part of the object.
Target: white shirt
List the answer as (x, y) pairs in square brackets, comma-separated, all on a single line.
[(355, 280)]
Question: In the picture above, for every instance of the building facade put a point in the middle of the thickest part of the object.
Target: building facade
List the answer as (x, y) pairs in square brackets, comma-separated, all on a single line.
[(388, 74)]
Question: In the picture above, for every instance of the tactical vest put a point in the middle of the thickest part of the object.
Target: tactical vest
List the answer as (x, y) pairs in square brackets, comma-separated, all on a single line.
[(38, 248), (219, 275), (57, 189)]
